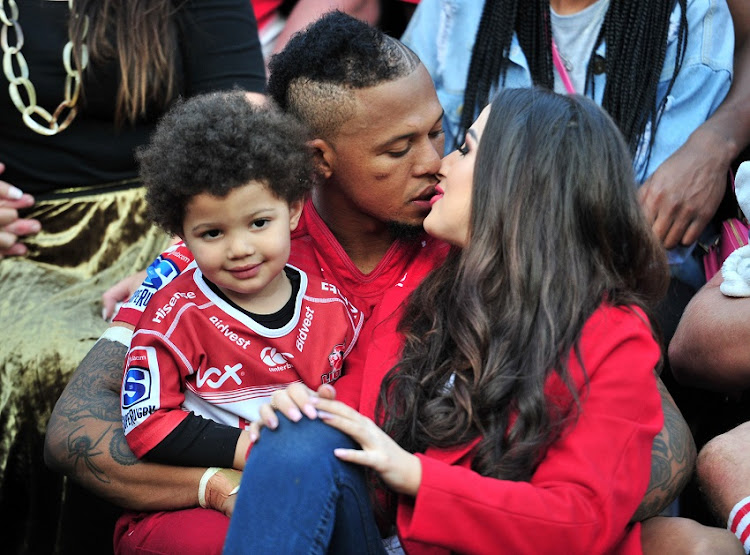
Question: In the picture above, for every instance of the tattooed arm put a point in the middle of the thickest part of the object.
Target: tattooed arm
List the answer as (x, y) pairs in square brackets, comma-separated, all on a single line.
[(86, 442), (672, 460)]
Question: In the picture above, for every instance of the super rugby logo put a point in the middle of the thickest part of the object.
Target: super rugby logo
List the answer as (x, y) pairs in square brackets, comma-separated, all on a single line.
[(275, 360), (159, 273), (136, 386), (207, 377)]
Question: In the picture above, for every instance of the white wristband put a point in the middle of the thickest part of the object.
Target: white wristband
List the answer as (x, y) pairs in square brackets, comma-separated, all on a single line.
[(119, 334), (202, 486)]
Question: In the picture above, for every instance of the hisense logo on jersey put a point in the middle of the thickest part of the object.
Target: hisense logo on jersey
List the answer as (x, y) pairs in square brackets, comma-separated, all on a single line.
[(165, 309), (276, 361)]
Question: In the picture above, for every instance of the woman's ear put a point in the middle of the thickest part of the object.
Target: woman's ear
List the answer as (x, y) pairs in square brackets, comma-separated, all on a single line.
[(325, 156), (295, 211)]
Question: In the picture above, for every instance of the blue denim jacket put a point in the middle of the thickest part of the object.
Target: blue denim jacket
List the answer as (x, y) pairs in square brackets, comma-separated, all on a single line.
[(442, 33)]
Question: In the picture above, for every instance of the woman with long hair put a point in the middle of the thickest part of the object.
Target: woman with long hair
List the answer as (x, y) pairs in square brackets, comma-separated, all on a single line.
[(519, 414), (85, 83)]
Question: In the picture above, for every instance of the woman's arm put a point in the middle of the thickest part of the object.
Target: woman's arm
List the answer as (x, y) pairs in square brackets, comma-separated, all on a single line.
[(584, 492)]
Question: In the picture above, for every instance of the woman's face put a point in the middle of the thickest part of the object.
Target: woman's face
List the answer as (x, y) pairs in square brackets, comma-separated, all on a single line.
[(450, 216)]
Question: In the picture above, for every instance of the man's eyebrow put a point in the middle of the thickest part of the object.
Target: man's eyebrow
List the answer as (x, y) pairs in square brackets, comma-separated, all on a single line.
[(408, 135)]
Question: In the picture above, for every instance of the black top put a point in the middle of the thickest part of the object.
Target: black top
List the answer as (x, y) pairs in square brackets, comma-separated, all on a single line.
[(219, 49), (275, 320)]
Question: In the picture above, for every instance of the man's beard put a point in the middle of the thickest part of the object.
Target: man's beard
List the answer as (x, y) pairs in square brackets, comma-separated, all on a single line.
[(404, 232)]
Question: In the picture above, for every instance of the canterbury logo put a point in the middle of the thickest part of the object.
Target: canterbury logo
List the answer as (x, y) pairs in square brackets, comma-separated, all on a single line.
[(207, 377), (272, 357)]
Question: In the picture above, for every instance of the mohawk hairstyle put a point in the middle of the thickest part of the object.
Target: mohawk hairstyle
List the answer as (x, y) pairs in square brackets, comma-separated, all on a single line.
[(315, 75)]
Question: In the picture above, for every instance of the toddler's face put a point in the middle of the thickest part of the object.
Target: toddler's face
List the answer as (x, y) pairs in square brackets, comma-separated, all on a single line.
[(241, 243)]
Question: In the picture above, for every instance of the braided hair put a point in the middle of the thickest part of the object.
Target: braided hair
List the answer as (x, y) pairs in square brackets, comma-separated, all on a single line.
[(636, 37)]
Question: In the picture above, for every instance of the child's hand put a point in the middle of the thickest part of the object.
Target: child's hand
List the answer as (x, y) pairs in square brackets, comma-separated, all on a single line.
[(400, 470)]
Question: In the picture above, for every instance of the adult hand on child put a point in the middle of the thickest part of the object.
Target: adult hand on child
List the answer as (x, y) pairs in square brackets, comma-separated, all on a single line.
[(682, 195), (399, 469), (292, 402), (11, 226)]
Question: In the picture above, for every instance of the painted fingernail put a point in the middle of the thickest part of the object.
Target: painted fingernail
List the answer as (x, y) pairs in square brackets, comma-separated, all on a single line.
[(14, 193), (310, 411), (314, 400), (253, 437), (295, 415), (324, 415), (273, 422)]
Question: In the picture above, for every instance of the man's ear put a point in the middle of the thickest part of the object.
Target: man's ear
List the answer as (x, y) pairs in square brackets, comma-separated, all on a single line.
[(325, 156), (295, 211)]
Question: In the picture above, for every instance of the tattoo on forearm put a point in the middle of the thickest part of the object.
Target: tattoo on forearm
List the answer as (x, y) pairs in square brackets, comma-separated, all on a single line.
[(84, 452), (672, 460), (120, 450), (100, 372)]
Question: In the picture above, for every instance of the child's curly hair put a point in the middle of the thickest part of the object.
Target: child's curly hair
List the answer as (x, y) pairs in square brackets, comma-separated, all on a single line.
[(216, 142)]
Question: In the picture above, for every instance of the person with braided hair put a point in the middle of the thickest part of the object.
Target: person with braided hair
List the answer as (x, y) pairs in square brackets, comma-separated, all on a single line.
[(659, 68)]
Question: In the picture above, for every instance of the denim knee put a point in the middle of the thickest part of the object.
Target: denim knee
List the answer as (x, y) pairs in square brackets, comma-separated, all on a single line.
[(304, 443)]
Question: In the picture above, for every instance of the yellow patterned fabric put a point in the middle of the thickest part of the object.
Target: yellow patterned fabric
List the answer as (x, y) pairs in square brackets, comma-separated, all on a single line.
[(51, 315)]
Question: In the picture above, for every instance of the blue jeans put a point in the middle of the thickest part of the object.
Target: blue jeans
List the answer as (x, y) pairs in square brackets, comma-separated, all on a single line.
[(297, 497)]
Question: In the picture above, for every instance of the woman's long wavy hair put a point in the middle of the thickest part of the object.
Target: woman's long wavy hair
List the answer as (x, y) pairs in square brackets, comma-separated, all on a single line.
[(555, 231), (636, 37), (141, 35)]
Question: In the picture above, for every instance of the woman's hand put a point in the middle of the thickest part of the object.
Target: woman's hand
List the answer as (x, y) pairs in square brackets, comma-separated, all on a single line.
[(292, 402), (400, 470), (11, 226)]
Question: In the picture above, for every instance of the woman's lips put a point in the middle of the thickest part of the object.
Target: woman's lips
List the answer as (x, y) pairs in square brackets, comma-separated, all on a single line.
[(438, 195)]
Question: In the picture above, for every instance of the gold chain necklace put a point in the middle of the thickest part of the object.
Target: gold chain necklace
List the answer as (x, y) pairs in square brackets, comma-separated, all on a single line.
[(72, 80)]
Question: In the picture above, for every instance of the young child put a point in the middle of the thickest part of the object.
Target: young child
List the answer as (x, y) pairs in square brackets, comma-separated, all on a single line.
[(229, 179)]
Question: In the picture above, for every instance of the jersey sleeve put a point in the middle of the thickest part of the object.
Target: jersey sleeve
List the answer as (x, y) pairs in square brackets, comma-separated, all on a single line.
[(152, 392), (589, 484), (167, 266)]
